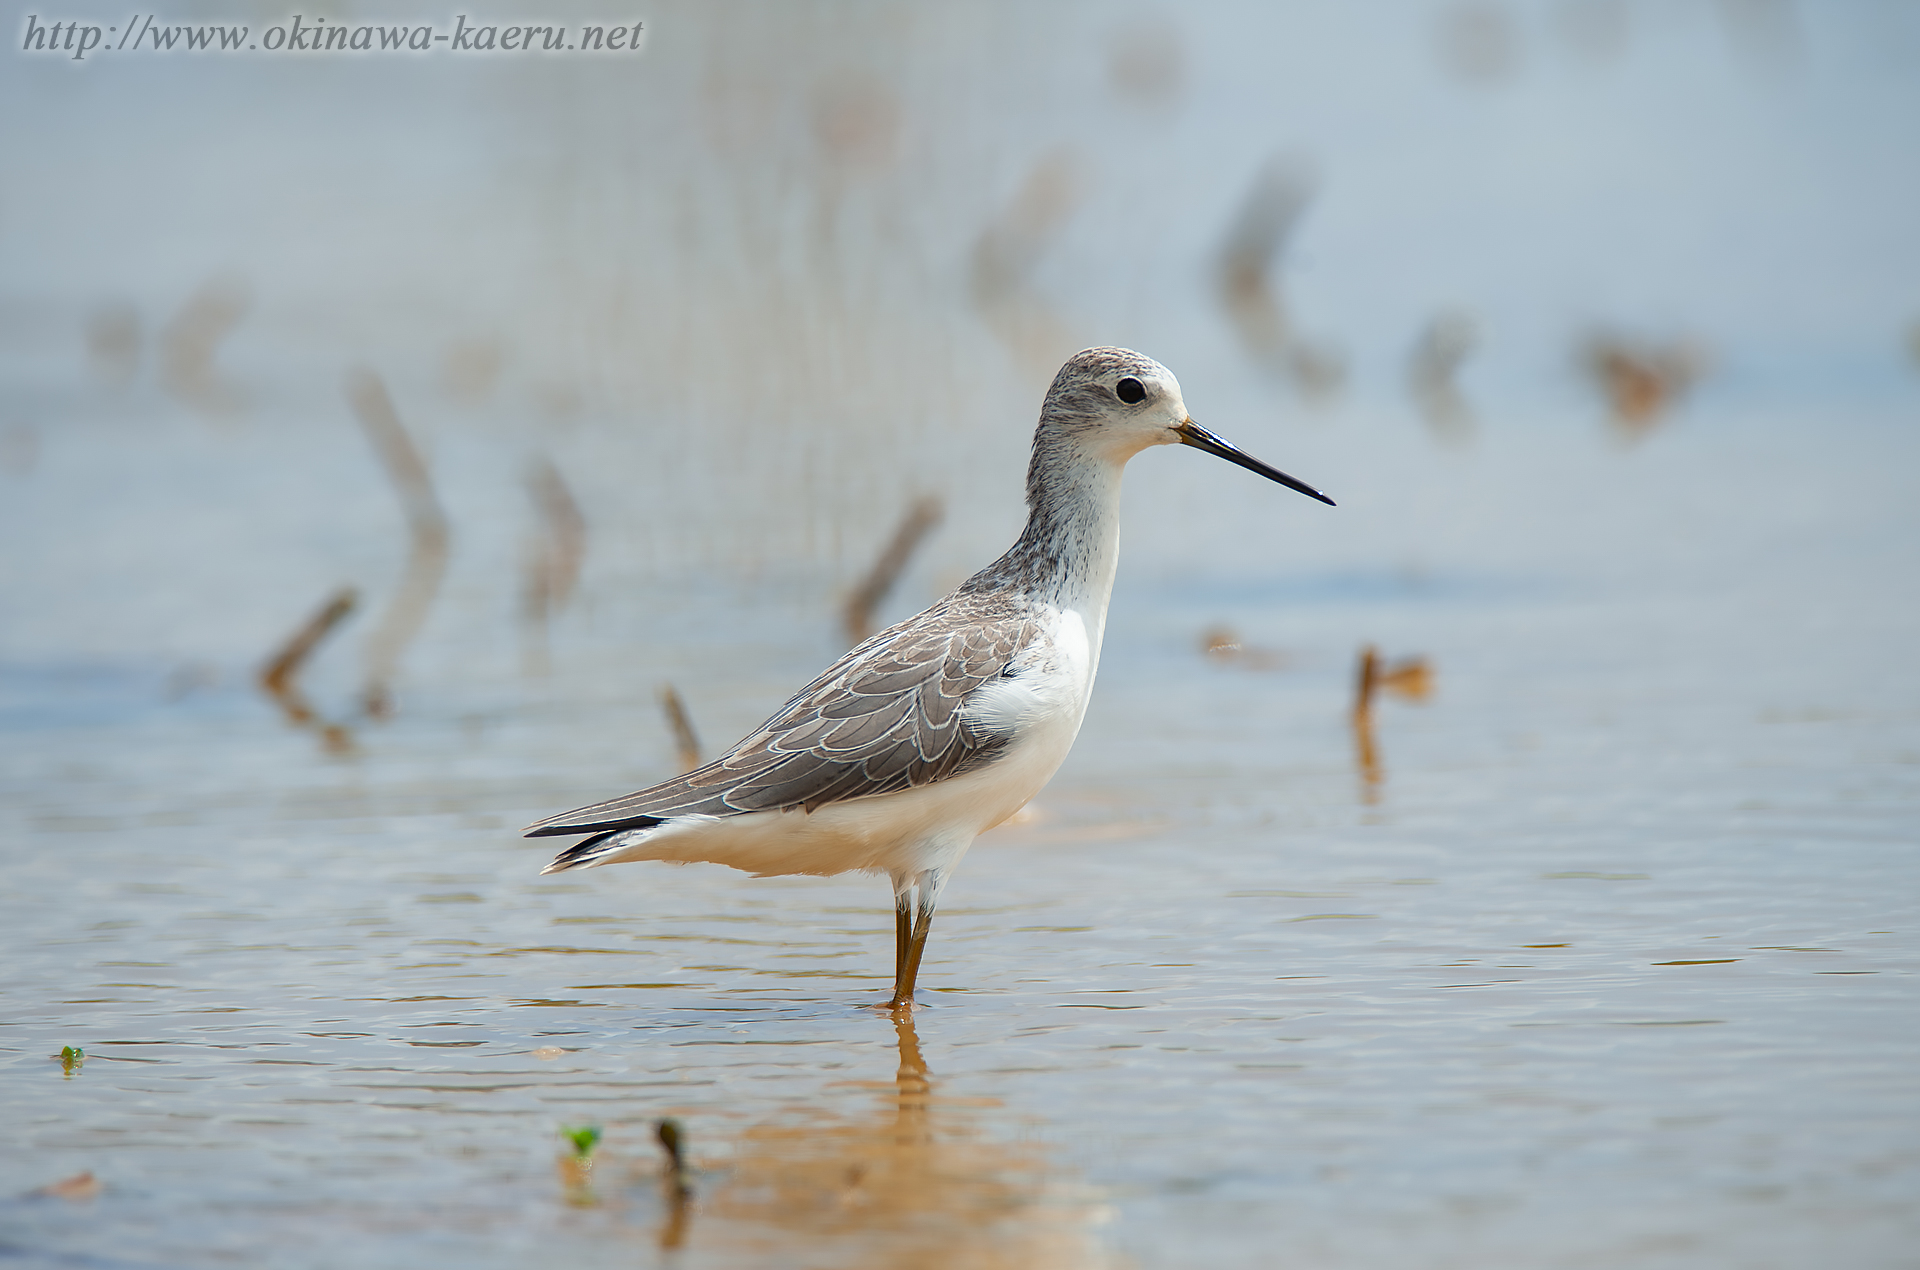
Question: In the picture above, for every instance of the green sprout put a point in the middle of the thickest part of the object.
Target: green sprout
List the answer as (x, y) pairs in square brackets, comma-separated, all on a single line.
[(584, 1139)]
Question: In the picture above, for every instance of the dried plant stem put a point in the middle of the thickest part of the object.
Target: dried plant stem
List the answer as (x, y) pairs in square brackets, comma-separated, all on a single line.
[(553, 562), (685, 742), (427, 526), (1641, 379), (1410, 678), (189, 343), (677, 1179), (278, 678), (914, 527), (1366, 751), (1244, 278)]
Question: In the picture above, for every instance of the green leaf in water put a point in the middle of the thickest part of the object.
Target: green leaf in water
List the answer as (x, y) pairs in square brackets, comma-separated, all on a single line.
[(584, 1139)]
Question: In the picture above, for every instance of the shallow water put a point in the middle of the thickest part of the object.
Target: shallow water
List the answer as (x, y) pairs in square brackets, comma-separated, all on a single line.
[(1612, 964), (1608, 959)]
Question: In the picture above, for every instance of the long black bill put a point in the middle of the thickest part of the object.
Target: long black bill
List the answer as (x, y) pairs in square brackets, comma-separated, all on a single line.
[(1199, 438)]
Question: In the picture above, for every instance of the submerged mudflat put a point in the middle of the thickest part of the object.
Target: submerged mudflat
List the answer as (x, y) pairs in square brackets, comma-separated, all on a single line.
[(1610, 956)]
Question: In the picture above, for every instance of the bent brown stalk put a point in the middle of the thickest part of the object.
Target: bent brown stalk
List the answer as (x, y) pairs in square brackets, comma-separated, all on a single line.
[(684, 740), (914, 527), (427, 526), (279, 677), (554, 559)]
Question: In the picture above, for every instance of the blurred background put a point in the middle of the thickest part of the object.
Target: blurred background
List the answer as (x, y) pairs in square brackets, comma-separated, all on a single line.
[(757, 287), (381, 435)]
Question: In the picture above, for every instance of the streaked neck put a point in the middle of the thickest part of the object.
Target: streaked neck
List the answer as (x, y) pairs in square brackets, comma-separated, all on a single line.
[(1068, 551)]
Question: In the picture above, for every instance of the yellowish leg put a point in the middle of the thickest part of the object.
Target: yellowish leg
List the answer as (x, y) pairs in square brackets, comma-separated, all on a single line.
[(902, 933), (913, 945)]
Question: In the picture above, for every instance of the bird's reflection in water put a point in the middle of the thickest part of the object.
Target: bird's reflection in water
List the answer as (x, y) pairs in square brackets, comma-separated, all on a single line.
[(915, 1183)]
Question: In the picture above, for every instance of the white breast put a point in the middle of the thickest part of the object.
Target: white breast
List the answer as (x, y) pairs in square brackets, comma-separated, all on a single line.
[(1052, 678)]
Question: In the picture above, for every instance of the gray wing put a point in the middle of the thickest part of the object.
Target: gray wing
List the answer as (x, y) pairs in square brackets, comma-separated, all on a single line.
[(884, 718)]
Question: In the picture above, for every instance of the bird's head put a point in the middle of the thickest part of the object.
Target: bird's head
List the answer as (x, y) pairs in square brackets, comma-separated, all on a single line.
[(1112, 403)]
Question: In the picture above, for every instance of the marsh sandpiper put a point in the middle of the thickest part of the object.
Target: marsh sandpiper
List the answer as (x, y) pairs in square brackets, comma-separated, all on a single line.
[(942, 726)]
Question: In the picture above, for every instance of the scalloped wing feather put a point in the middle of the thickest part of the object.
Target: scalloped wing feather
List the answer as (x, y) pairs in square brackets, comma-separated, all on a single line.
[(886, 717)]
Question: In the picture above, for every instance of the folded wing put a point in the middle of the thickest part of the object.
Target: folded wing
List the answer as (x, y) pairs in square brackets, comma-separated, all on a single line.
[(884, 718)]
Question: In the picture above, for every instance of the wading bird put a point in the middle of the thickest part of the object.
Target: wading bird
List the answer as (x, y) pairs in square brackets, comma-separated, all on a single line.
[(940, 727)]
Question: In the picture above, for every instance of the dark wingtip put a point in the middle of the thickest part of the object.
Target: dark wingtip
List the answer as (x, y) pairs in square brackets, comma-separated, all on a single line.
[(557, 826), (581, 853)]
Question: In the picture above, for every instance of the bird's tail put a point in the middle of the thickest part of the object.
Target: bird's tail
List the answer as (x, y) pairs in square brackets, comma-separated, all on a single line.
[(587, 852)]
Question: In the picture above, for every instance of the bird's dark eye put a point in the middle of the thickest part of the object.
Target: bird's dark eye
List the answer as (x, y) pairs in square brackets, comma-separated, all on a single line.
[(1130, 390)]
